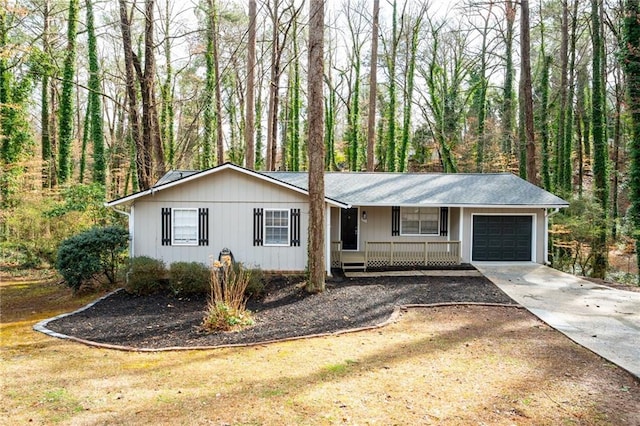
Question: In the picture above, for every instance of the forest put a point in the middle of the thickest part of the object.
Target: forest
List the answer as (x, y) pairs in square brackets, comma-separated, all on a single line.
[(98, 99)]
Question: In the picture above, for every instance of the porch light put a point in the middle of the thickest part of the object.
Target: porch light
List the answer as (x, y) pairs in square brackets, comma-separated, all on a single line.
[(364, 215)]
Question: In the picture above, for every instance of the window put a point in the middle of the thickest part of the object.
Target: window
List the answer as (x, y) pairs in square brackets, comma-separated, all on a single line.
[(276, 227), (185, 227), (419, 220)]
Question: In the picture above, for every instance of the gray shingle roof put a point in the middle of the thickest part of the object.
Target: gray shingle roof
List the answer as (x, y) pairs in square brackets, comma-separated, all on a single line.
[(397, 189)]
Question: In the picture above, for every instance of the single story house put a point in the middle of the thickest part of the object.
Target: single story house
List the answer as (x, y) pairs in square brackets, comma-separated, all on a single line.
[(372, 219)]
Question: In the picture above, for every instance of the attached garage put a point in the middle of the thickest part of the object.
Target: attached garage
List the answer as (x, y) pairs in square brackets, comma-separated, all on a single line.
[(502, 238)]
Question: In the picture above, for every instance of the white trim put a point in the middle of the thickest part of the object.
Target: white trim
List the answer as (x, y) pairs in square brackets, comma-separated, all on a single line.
[(173, 225), (534, 222), (132, 233), (264, 228), (358, 226), (214, 170), (327, 239), (461, 236)]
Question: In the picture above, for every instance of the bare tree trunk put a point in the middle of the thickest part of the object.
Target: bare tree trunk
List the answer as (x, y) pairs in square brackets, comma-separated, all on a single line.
[(315, 146), (371, 129), (251, 64), (143, 160), (525, 49), (150, 122), (216, 67)]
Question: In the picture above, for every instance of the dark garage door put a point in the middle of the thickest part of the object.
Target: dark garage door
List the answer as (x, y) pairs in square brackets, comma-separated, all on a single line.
[(501, 238)]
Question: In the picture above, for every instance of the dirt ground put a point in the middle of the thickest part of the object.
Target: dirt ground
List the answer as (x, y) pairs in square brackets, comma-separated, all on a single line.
[(454, 365)]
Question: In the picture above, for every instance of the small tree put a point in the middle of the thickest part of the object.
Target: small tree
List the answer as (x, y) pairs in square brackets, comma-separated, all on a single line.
[(91, 254)]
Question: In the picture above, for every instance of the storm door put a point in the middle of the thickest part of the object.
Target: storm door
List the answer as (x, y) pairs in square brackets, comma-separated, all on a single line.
[(349, 228)]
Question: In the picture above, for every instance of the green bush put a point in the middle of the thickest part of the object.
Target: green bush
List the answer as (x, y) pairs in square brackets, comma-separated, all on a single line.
[(256, 284), (146, 276), (90, 254), (189, 278)]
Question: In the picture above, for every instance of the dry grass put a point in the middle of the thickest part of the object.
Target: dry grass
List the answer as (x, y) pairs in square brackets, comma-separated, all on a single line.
[(454, 365)]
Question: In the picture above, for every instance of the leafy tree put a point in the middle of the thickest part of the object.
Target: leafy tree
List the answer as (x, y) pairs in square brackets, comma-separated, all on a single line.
[(631, 52), (15, 132), (95, 102), (67, 104)]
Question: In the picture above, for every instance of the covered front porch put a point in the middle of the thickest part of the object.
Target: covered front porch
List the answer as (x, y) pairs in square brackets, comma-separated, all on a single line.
[(391, 237), (389, 254)]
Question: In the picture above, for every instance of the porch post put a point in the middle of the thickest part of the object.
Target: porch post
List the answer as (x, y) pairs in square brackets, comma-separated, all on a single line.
[(463, 246), (327, 238)]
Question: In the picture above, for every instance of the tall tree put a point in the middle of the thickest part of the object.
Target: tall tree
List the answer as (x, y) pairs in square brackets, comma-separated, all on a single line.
[(371, 123), (209, 116), (48, 163), (507, 107), (315, 146), (213, 15), (413, 37), (631, 52), (483, 85), (95, 130), (561, 153), (527, 92), (543, 120), (599, 141), (15, 132), (249, 129), (65, 122), (167, 114), (391, 57)]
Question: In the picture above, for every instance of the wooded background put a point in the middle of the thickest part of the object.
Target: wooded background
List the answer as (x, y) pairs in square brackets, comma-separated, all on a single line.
[(105, 96)]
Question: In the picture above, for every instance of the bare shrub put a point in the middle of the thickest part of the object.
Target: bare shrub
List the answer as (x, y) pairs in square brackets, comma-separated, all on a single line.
[(226, 309)]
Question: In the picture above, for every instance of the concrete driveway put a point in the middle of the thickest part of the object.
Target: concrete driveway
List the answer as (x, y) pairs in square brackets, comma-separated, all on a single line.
[(602, 319)]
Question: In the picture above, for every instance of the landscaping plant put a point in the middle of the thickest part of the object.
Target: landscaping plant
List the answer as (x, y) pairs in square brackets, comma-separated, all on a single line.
[(226, 309), (189, 278), (146, 276), (92, 254)]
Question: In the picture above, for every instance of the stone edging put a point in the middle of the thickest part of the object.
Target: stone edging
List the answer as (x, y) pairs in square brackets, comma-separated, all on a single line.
[(395, 316)]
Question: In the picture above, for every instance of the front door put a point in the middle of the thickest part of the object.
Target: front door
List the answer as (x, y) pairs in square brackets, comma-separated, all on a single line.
[(349, 228)]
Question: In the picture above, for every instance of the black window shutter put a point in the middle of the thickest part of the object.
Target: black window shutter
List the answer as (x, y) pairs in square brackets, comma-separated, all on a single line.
[(295, 227), (203, 226), (444, 221), (395, 220), (166, 226), (258, 215)]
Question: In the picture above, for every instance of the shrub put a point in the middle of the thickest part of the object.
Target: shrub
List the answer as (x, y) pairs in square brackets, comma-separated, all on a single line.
[(146, 276), (189, 278), (226, 309), (256, 284), (98, 251)]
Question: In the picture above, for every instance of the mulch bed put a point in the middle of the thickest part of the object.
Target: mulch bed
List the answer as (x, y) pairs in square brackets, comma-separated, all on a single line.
[(285, 311)]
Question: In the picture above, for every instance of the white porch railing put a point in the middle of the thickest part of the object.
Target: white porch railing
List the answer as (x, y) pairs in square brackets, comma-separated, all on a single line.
[(383, 254)]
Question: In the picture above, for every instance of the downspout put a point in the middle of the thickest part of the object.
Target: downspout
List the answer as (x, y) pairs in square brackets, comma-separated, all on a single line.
[(130, 223), (547, 215)]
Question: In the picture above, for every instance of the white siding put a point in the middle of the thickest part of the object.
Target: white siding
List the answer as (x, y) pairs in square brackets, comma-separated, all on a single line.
[(230, 197)]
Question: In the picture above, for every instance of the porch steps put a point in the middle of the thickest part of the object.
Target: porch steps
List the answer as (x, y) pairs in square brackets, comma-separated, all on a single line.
[(353, 261)]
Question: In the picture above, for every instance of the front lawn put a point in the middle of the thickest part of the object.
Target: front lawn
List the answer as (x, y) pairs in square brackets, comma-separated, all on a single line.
[(448, 365)]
